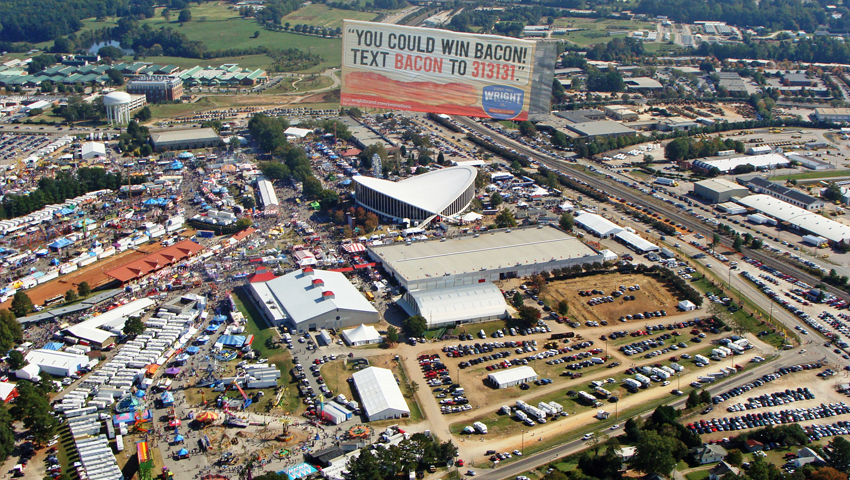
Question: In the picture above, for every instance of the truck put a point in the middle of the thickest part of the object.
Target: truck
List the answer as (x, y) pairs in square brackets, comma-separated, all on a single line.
[(480, 428), (644, 380)]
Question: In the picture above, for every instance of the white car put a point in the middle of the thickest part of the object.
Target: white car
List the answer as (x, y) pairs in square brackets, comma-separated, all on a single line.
[(615, 426), (587, 436), (517, 453)]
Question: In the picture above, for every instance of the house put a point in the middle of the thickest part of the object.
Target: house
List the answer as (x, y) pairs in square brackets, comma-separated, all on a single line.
[(753, 445), (805, 456), (721, 470), (708, 454)]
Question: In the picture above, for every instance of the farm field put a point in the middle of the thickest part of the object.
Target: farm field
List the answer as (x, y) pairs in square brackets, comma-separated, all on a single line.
[(322, 16)]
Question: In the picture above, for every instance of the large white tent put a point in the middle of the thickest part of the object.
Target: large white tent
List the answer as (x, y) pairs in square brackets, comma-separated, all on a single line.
[(379, 394), (512, 376), (362, 335), (478, 302)]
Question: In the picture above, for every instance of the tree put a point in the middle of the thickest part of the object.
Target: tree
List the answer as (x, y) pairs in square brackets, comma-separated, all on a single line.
[(827, 473), (71, 296), (133, 326), (517, 301), (166, 14), (7, 434), (185, 16), (693, 399), (496, 199), (392, 335), (715, 240), (364, 466), (839, 457), (632, 429), (21, 304), (528, 316), (144, 114), (563, 307), (654, 453), (16, 360), (11, 332), (832, 192), (256, 34), (567, 222), (705, 396), (32, 407), (115, 77), (416, 325), (505, 219), (738, 243), (735, 457), (527, 129)]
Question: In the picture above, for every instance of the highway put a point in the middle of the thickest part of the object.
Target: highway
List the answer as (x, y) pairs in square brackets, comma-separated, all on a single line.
[(618, 190)]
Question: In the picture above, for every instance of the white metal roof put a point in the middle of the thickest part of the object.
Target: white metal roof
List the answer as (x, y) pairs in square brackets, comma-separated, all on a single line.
[(267, 194), (636, 241), (596, 224), (758, 161), (804, 219), (297, 132), (54, 359), (431, 192), (93, 148), (363, 333), (303, 299), (379, 391), (456, 304), (510, 375), (720, 185)]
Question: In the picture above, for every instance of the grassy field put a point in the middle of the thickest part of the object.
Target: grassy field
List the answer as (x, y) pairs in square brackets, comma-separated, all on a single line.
[(596, 30), (312, 82), (321, 16), (813, 175)]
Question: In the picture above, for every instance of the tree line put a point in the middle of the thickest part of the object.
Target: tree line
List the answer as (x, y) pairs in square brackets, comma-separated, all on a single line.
[(772, 14)]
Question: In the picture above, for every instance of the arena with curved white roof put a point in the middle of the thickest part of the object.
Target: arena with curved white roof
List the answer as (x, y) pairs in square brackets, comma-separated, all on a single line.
[(442, 193)]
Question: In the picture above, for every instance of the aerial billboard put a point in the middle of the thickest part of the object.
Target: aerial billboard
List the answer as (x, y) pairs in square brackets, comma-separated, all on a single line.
[(400, 67)]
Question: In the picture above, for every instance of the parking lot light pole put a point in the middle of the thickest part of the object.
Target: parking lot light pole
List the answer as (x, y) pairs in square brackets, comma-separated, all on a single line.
[(523, 442)]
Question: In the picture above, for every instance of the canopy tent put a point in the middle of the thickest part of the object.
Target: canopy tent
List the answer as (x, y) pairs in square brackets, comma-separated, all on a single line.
[(178, 439), (207, 417), (354, 247)]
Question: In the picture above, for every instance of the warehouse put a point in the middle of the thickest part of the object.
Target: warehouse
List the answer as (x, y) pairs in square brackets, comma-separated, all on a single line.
[(380, 396), (310, 300), (603, 128), (597, 225), (440, 193), (635, 242), (185, 139), (59, 364), (798, 218), (478, 302), (835, 115), (790, 195), (101, 331), (512, 376), (476, 259), (362, 335), (719, 190), (760, 162)]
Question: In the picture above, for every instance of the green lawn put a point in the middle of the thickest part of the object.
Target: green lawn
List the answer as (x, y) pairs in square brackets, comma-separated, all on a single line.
[(244, 61), (814, 175), (697, 474), (322, 16), (596, 30)]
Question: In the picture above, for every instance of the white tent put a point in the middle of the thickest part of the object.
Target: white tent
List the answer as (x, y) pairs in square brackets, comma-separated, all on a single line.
[(29, 372), (512, 376), (687, 305), (362, 335), (379, 394)]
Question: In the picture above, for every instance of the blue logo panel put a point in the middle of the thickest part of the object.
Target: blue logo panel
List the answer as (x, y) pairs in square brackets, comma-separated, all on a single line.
[(502, 102)]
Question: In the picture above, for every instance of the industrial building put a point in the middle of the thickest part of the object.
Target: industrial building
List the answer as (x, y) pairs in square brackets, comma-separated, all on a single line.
[(380, 396), (835, 115), (719, 190), (767, 161), (512, 376), (58, 364), (799, 219), (790, 195), (620, 112), (157, 88), (268, 197), (185, 139), (603, 128), (635, 242), (641, 84), (597, 225), (477, 302), (362, 335), (488, 257), (102, 330), (310, 300), (441, 193)]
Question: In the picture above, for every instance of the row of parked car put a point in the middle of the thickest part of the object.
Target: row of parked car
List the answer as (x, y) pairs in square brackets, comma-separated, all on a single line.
[(764, 379), (773, 399), (755, 420)]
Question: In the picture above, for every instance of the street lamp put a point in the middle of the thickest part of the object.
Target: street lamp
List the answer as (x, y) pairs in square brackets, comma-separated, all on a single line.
[(523, 442)]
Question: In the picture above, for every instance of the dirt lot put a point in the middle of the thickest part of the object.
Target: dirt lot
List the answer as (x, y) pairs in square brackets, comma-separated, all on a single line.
[(652, 296), (93, 274)]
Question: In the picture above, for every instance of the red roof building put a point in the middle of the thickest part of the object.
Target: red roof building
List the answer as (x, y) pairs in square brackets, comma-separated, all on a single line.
[(242, 235), (155, 261)]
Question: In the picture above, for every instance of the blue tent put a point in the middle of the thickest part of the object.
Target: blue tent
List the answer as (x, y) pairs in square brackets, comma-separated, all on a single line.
[(185, 155), (192, 350), (183, 452), (140, 393), (60, 243), (178, 439), (176, 165)]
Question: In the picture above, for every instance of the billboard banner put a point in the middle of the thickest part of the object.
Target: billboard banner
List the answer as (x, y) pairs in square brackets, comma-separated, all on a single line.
[(399, 67)]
